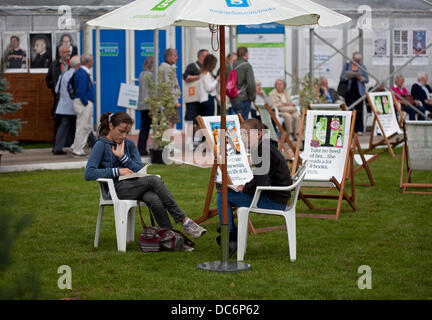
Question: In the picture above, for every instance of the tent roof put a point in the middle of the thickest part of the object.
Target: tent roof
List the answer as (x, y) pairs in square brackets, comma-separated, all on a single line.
[(96, 7)]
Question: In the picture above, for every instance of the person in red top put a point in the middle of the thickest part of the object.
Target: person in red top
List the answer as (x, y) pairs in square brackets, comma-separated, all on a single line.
[(400, 90)]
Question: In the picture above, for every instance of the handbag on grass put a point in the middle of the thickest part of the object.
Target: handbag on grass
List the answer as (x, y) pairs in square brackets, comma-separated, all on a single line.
[(155, 239)]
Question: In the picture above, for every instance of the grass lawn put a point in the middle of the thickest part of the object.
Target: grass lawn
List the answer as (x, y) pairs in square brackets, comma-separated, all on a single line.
[(391, 233)]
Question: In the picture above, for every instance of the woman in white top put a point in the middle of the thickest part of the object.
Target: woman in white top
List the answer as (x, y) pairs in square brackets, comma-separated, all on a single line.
[(208, 85)]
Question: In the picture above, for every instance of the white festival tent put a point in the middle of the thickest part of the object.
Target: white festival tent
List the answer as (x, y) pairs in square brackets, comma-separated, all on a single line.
[(154, 14)]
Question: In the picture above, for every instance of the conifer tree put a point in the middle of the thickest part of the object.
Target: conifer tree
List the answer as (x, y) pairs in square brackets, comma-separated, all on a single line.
[(12, 126)]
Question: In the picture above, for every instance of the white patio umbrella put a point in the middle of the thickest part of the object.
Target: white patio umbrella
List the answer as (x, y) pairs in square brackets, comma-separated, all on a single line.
[(155, 14)]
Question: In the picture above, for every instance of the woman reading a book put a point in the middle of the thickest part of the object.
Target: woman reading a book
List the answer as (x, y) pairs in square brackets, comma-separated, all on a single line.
[(114, 156), (269, 170)]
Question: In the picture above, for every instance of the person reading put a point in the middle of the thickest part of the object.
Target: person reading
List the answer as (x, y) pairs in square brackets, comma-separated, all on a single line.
[(278, 174), (113, 156)]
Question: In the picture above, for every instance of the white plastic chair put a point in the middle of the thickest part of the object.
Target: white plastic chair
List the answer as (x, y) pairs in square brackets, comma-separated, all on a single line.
[(289, 214), (124, 214)]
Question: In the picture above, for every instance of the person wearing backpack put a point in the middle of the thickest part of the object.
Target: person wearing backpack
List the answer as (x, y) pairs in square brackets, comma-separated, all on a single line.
[(246, 90), (65, 112), (113, 155), (84, 97)]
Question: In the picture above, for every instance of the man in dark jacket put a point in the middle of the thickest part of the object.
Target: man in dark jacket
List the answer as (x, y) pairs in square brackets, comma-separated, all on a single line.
[(56, 69), (422, 92), (245, 83)]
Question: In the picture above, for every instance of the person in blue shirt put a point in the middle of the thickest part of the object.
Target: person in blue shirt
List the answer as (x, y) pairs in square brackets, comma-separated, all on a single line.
[(113, 155)]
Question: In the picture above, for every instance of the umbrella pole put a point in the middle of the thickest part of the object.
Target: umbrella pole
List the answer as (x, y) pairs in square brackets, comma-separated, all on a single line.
[(224, 265)]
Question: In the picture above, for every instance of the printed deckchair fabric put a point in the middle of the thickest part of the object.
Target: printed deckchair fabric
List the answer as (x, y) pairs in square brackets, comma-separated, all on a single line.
[(328, 148), (361, 159), (385, 124), (266, 119), (417, 154)]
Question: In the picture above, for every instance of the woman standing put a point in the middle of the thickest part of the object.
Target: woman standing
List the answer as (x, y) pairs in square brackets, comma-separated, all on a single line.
[(148, 68), (208, 85), (357, 79)]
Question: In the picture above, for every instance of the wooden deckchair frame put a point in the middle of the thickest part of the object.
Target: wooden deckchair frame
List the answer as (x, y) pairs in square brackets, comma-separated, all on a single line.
[(207, 211), (385, 140), (340, 187), (364, 163), (284, 138), (406, 183)]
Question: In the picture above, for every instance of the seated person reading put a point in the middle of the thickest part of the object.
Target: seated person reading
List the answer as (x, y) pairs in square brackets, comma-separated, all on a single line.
[(113, 155)]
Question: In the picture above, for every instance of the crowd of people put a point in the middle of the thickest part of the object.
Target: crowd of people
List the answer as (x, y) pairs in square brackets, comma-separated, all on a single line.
[(69, 78), (113, 155)]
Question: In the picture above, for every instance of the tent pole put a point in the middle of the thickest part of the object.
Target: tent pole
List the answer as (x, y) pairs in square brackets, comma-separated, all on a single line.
[(224, 265), (98, 76)]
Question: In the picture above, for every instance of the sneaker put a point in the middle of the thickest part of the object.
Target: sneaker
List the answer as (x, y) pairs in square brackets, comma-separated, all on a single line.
[(193, 229), (188, 248)]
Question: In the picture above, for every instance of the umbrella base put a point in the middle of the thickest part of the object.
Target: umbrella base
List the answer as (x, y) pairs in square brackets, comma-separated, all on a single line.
[(227, 266)]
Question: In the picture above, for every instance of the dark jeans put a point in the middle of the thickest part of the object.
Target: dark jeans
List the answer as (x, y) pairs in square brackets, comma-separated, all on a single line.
[(144, 132), (65, 132), (193, 109), (412, 113), (208, 106), (240, 199), (242, 107), (153, 192)]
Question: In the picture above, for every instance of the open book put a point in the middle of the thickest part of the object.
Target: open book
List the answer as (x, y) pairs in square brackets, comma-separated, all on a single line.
[(230, 186), (141, 173)]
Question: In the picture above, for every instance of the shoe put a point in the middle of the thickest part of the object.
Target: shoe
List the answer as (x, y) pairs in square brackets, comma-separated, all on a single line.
[(193, 229), (79, 155), (58, 153), (188, 248)]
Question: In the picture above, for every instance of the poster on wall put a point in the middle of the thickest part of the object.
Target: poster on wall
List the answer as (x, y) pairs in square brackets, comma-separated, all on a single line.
[(68, 39), (238, 167), (380, 47), (419, 42), (41, 52), (382, 102), (266, 55), (326, 143), (14, 52)]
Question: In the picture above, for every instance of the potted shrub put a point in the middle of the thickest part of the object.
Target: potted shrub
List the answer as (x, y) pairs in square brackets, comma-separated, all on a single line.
[(161, 102)]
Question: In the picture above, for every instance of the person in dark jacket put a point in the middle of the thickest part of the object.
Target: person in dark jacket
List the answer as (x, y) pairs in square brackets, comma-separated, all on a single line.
[(422, 92), (270, 169), (245, 83), (56, 69)]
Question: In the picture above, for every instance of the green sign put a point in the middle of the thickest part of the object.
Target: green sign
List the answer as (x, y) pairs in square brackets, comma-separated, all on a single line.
[(109, 49), (146, 49), (163, 5)]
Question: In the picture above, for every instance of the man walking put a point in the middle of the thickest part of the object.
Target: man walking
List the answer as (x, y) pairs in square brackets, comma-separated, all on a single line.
[(166, 69), (245, 83), (65, 112), (56, 69), (83, 105)]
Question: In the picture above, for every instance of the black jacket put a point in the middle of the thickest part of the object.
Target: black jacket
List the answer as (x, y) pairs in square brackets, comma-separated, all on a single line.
[(418, 93), (278, 175)]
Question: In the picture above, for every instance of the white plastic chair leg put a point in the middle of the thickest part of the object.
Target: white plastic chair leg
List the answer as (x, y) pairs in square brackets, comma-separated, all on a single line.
[(242, 232), (120, 217), (290, 219), (98, 226), (131, 225)]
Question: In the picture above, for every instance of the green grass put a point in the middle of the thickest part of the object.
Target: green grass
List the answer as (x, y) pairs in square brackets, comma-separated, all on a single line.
[(391, 233)]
